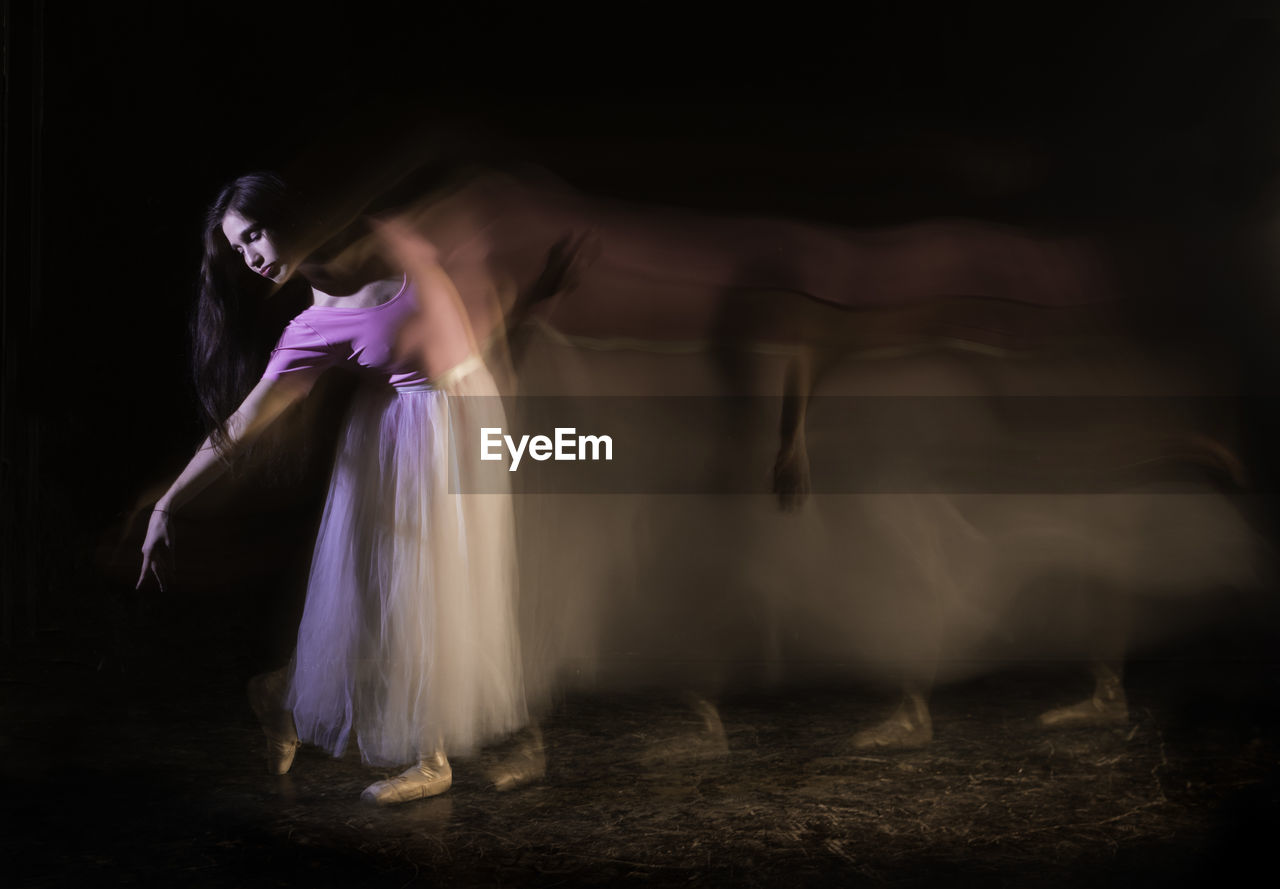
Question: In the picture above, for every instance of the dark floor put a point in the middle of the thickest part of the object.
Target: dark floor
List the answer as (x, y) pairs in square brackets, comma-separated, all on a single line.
[(130, 757)]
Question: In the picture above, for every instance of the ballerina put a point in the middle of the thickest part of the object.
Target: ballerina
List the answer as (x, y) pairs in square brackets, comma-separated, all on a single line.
[(408, 640)]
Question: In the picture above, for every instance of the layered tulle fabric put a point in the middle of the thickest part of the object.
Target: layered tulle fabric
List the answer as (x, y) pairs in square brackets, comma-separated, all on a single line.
[(408, 639)]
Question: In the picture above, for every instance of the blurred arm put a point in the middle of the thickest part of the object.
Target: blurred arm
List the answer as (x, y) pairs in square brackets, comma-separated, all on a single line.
[(264, 404)]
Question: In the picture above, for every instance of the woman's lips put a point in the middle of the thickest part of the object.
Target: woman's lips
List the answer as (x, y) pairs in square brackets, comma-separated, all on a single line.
[(268, 271)]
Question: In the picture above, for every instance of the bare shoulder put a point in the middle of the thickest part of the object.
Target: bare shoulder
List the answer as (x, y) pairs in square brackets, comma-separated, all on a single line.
[(375, 293)]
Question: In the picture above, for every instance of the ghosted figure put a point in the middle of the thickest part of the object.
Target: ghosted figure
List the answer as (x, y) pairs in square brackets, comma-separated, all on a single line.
[(408, 642), (1107, 513), (925, 539)]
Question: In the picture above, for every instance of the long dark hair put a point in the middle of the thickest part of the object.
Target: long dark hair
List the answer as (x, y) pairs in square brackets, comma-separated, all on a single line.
[(237, 319)]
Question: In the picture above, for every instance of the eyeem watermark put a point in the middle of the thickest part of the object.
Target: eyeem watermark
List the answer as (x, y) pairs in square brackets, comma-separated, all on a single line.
[(566, 446)]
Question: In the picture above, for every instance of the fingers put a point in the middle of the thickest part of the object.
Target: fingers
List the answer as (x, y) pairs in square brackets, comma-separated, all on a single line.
[(792, 501), (156, 546), (791, 484), (152, 560), (152, 564)]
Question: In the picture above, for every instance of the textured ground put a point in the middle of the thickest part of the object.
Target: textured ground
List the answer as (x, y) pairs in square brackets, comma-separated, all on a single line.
[(131, 757)]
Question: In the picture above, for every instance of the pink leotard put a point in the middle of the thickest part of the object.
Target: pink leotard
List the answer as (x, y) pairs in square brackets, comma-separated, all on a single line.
[(364, 339)]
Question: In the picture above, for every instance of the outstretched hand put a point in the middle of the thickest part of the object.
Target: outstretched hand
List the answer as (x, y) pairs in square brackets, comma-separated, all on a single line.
[(157, 549)]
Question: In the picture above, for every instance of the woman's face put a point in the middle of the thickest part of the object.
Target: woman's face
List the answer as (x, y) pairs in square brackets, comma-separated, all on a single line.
[(257, 247)]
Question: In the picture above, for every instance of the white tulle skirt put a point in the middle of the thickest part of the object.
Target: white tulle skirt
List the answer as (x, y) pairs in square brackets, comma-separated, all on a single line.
[(408, 638)]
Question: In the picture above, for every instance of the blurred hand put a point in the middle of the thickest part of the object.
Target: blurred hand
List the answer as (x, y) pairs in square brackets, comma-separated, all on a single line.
[(791, 479), (570, 256), (566, 260)]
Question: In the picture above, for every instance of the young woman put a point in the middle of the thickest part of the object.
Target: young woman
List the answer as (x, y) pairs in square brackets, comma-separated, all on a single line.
[(408, 640)]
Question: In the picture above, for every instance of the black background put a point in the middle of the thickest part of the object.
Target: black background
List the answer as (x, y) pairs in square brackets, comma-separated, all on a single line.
[(123, 120), (142, 111)]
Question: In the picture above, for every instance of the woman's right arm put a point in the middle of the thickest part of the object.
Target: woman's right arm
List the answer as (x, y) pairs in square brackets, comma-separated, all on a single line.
[(264, 404)]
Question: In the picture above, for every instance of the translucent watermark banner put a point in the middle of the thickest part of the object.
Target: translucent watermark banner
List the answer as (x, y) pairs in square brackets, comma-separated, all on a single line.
[(849, 445)]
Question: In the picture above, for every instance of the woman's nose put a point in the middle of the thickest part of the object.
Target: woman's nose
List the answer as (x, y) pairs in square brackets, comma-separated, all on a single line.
[(253, 259)]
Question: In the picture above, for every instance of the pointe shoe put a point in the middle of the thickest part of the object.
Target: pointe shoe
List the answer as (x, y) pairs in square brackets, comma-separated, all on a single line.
[(1094, 711), (266, 694), (431, 776), (707, 743), (909, 728), (524, 765)]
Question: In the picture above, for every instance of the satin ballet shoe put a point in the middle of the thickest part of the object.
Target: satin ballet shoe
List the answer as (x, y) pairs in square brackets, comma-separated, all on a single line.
[(1108, 706), (266, 696), (706, 743), (431, 776), (1094, 711), (909, 728), (523, 765)]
